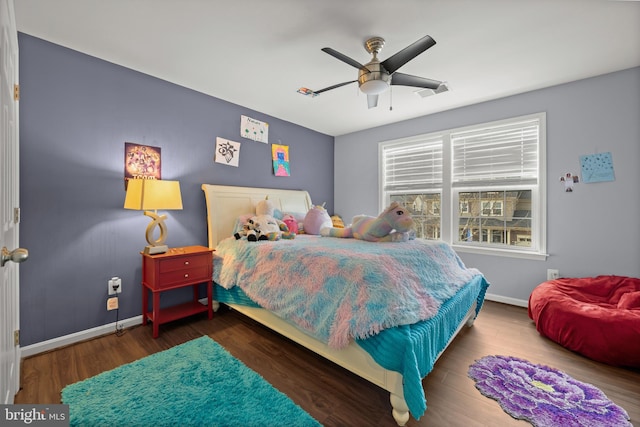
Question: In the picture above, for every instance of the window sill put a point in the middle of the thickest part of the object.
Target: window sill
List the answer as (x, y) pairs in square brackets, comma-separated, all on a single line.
[(509, 253)]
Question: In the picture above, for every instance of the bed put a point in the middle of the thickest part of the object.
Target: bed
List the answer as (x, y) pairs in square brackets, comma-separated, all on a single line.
[(393, 358)]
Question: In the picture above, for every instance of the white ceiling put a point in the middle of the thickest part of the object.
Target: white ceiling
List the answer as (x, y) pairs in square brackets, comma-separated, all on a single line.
[(257, 53)]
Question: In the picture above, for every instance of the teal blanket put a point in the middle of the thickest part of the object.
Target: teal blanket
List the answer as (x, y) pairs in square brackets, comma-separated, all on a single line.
[(412, 350)]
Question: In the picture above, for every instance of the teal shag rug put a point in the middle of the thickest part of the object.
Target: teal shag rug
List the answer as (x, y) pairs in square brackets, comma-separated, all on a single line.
[(197, 383)]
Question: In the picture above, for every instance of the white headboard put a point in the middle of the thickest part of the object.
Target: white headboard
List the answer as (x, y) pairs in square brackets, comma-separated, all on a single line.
[(226, 203)]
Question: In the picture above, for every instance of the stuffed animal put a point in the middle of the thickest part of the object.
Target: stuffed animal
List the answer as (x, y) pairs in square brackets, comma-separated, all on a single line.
[(291, 223), (247, 230), (265, 207), (392, 225), (264, 226), (337, 222), (316, 219)]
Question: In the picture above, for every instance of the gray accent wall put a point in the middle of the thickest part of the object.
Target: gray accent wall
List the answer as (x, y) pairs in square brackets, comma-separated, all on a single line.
[(592, 231), (76, 113)]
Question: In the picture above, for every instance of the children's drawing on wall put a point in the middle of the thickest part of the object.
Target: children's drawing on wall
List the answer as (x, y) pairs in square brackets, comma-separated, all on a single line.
[(597, 167), (254, 129), (569, 179), (141, 161), (280, 156), (227, 152)]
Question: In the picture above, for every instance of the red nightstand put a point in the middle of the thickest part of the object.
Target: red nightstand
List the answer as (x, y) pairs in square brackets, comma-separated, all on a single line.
[(177, 268)]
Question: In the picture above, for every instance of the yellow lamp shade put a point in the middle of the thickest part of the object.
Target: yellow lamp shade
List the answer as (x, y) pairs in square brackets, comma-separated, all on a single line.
[(152, 194)]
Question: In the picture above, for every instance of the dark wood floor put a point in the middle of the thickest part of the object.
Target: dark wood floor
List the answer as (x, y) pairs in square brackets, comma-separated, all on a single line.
[(332, 395)]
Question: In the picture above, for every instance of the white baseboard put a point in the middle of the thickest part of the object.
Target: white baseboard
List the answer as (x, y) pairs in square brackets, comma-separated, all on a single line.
[(58, 342), (507, 300), (65, 340)]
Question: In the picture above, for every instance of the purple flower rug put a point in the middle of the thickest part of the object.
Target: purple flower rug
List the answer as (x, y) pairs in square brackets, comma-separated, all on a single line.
[(544, 396)]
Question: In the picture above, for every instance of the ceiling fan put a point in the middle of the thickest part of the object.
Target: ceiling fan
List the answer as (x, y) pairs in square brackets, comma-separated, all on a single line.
[(375, 77)]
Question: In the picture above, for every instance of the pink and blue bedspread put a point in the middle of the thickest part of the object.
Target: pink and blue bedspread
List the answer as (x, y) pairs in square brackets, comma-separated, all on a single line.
[(401, 302)]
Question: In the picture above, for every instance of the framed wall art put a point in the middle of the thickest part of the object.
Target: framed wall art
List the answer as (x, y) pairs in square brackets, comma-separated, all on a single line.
[(141, 162)]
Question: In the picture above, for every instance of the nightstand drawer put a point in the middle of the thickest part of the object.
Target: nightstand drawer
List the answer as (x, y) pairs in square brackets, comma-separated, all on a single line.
[(197, 274), (185, 263)]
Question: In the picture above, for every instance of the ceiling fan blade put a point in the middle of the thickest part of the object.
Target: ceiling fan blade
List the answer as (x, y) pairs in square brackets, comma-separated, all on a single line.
[(333, 87), (396, 61), (415, 81), (344, 58), (372, 101)]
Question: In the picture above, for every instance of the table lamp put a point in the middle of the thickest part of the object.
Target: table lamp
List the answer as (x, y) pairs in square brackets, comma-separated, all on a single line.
[(150, 195)]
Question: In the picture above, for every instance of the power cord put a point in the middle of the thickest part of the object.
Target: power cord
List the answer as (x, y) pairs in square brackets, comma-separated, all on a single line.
[(119, 328)]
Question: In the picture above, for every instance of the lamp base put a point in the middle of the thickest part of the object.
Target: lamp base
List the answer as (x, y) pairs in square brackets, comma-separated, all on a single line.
[(153, 250)]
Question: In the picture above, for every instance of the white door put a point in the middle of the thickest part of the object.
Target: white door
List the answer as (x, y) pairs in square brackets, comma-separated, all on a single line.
[(9, 213)]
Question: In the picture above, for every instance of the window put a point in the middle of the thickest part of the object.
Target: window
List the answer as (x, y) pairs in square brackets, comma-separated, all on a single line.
[(413, 176), (480, 188), (512, 224), (425, 210)]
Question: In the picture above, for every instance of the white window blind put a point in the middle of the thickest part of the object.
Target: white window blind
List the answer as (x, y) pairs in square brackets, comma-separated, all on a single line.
[(412, 165), (504, 154)]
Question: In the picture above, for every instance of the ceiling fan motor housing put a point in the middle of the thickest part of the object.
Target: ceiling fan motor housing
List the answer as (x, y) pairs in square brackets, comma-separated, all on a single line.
[(376, 80)]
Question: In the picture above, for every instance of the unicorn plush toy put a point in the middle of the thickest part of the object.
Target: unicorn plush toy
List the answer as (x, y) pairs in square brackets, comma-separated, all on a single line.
[(392, 225)]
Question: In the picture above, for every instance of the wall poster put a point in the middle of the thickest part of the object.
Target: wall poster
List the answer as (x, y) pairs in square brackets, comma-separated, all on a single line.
[(227, 152), (254, 129), (280, 156), (141, 161), (597, 167)]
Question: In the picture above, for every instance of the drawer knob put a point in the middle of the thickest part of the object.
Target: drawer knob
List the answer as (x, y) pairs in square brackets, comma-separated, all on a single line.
[(186, 275), (186, 263)]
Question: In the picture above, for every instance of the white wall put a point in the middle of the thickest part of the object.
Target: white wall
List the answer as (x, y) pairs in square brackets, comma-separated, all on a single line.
[(592, 231)]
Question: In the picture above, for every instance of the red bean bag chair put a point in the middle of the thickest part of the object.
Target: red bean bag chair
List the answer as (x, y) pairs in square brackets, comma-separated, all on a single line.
[(598, 317)]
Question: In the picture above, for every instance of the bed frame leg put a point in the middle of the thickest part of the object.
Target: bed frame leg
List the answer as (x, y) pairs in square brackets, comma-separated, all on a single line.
[(400, 409), (470, 321)]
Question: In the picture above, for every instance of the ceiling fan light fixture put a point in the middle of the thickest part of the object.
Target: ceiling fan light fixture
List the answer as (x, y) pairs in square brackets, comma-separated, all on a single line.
[(374, 87), (373, 80)]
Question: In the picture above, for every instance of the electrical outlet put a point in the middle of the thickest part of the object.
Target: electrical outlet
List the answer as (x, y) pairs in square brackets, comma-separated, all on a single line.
[(114, 285), (553, 274)]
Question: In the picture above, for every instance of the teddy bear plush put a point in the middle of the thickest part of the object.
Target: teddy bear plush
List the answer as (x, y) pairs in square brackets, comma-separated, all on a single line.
[(394, 224)]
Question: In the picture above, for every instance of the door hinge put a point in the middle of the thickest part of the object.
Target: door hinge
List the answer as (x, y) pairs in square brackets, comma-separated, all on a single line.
[(16, 215), (16, 337), (16, 92)]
